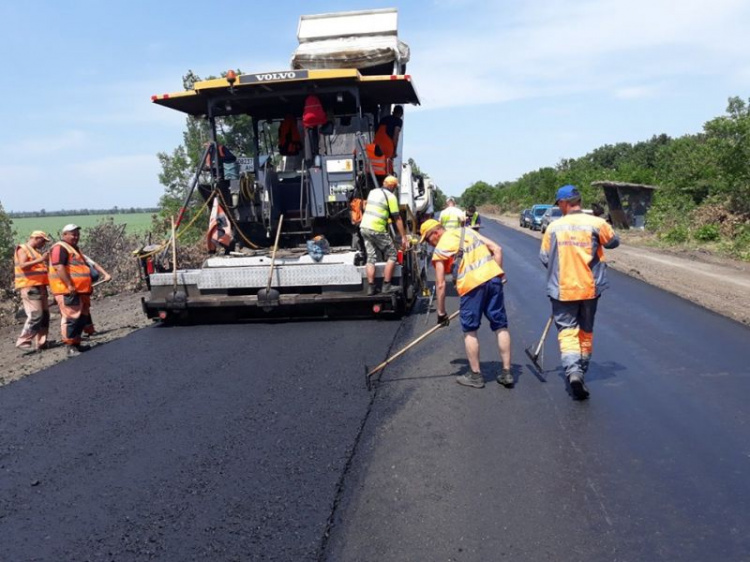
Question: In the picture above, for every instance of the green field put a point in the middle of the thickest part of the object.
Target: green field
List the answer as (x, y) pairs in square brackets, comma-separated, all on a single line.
[(137, 222)]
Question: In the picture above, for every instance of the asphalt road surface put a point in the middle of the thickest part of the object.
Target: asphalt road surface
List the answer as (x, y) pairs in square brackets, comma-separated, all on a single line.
[(260, 442)]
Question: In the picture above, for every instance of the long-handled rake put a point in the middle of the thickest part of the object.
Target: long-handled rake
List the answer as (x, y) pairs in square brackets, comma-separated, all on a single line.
[(369, 373), (537, 355)]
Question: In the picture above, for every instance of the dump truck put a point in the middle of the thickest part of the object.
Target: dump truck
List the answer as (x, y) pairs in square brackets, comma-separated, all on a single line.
[(284, 208)]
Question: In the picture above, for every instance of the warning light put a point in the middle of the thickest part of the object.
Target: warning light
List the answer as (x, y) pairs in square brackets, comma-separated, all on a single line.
[(376, 308), (231, 77)]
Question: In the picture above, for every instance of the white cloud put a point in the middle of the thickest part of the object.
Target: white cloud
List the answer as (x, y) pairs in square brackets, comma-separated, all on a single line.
[(34, 147), (636, 92), (554, 47)]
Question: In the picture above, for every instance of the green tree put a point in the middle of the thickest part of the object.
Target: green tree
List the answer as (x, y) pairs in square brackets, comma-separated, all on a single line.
[(179, 166), (7, 248), (477, 194)]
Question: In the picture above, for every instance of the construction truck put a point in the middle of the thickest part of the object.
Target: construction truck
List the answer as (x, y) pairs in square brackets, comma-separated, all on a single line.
[(285, 210)]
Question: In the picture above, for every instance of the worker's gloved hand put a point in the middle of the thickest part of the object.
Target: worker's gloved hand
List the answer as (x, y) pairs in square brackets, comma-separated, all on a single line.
[(443, 319)]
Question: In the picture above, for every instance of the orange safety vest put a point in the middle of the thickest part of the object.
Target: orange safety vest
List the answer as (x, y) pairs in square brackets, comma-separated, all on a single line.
[(378, 163), (34, 276), (384, 142), (78, 269), (290, 142)]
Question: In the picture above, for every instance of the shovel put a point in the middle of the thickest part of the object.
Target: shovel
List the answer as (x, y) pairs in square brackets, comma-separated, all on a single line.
[(268, 297), (536, 355)]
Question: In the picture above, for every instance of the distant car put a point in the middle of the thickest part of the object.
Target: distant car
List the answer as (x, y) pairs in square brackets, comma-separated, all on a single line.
[(525, 219), (537, 212), (549, 216)]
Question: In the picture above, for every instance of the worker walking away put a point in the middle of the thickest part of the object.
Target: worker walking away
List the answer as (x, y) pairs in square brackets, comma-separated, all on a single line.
[(452, 217), (31, 280), (473, 220), (572, 251), (476, 262), (70, 282), (380, 206)]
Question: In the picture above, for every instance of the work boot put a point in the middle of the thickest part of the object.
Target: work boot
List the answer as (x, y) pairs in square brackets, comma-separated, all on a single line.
[(372, 290), (506, 378), (475, 380), (580, 392), (73, 351), (388, 288)]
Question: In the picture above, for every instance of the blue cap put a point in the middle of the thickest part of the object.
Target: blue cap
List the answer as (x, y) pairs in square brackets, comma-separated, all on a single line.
[(567, 193)]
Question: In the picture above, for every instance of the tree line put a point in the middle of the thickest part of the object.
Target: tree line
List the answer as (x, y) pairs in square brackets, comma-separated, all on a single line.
[(77, 212), (703, 181)]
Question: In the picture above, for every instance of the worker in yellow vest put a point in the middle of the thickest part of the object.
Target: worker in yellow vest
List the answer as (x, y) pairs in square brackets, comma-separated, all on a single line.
[(70, 282), (31, 282), (477, 271), (452, 217), (382, 205)]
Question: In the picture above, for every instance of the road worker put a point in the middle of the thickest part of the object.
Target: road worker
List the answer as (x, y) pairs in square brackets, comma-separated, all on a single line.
[(70, 282), (98, 275), (473, 220), (452, 217), (572, 251), (388, 131), (476, 263), (382, 205), (31, 280)]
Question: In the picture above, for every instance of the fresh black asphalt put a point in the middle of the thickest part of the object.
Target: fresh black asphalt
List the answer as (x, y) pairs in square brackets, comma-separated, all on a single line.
[(260, 441)]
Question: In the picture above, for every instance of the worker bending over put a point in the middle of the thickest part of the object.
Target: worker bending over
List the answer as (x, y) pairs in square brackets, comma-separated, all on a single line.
[(380, 206), (476, 262), (31, 280), (452, 217), (473, 220), (572, 251)]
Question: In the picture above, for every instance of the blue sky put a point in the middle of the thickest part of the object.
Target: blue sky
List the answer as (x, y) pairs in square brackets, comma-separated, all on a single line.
[(506, 86)]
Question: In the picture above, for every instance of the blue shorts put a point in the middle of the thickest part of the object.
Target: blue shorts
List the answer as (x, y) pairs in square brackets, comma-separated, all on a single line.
[(486, 299)]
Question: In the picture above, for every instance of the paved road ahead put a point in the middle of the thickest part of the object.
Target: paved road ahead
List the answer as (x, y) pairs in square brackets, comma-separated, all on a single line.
[(232, 443)]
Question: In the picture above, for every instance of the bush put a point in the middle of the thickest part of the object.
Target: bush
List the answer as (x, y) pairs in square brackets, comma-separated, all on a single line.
[(676, 235), (707, 233)]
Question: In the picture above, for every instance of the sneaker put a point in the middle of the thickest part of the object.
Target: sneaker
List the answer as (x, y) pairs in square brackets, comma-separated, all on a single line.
[(25, 346), (474, 380), (73, 351), (506, 378), (576, 385)]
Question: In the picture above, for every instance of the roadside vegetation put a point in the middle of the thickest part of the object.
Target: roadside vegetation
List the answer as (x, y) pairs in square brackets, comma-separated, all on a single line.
[(703, 180)]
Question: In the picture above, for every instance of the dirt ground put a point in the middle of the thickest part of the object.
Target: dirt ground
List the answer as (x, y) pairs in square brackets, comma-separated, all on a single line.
[(719, 284), (114, 317)]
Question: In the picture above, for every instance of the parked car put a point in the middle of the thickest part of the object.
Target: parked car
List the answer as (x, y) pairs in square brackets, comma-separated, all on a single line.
[(537, 211), (550, 215), (525, 219)]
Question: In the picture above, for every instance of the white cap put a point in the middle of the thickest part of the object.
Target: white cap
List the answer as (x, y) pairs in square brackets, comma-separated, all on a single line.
[(70, 228)]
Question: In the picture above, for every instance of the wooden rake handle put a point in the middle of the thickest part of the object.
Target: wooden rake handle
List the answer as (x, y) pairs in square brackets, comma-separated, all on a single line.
[(409, 346)]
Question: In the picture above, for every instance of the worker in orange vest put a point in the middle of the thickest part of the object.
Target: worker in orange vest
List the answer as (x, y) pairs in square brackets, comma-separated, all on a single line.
[(477, 271), (388, 131), (31, 280), (70, 282), (573, 252)]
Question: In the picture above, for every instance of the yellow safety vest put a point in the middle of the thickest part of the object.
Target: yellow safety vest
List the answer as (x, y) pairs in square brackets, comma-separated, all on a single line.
[(477, 266), (380, 203), (451, 217)]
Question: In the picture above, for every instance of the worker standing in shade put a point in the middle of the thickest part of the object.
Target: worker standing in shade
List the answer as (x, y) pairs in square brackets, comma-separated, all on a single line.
[(452, 217), (477, 270), (381, 205), (572, 251), (70, 282), (473, 220), (31, 280)]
